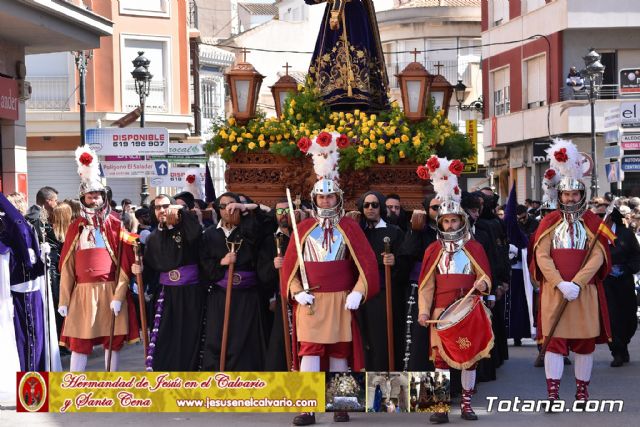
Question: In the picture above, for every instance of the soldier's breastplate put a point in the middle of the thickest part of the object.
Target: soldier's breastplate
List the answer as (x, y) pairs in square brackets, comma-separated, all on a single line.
[(455, 263), (569, 236), (314, 246)]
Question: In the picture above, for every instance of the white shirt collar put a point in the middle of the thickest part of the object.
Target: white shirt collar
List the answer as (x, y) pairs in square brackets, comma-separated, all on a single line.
[(381, 224), (227, 231)]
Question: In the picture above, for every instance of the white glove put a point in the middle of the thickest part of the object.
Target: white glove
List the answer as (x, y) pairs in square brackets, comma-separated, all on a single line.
[(137, 269), (304, 298), (62, 310), (45, 248), (569, 289), (353, 300), (513, 251), (115, 306)]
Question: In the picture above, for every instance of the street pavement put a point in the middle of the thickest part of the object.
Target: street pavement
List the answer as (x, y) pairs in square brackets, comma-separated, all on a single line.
[(517, 377)]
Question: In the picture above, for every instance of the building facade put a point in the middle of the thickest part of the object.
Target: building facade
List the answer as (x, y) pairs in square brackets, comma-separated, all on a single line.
[(524, 79), (34, 27), (160, 29)]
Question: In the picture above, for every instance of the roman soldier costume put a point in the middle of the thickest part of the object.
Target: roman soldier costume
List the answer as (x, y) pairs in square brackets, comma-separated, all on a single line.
[(95, 267), (559, 265), (342, 273), (451, 267)]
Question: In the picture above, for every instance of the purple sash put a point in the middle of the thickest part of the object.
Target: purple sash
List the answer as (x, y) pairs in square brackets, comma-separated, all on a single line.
[(241, 279), (184, 275), (414, 276)]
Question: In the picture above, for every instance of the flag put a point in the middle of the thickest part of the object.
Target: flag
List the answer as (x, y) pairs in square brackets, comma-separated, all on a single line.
[(606, 231), (128, 238)]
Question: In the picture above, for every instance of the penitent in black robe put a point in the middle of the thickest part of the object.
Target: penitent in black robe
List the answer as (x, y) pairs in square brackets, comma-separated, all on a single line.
[(246, 343), (178, 337)]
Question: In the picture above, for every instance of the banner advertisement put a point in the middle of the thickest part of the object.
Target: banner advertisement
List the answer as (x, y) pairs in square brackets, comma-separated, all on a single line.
[(170, 392)]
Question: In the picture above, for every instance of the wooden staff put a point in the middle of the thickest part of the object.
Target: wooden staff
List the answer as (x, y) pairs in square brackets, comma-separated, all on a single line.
[(141, 301), (113, 315), (557, 315), (283, 310), (387, 280), (455, 310), (227, 305)]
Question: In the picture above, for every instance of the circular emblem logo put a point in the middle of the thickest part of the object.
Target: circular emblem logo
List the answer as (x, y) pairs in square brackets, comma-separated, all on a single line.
[(237, 278), (32, 391), (174, 275)]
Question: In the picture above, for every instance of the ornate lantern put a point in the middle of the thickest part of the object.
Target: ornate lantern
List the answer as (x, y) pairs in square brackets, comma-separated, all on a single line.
[(441, 91), (285, 85), (244, 83), (415, 82)]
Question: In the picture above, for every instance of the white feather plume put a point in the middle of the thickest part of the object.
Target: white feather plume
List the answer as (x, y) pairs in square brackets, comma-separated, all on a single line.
[(194, 187), (571, 167), (445, 183), (92, 170), (325, 159), (550, 194)]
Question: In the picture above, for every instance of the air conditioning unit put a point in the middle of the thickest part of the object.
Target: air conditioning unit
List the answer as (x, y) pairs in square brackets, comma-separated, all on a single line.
[(24, 90)]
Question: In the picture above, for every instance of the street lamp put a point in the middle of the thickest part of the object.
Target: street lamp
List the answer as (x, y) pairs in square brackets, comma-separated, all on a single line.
[(82, 60), (142, 78), (593, 72), (477, 105)]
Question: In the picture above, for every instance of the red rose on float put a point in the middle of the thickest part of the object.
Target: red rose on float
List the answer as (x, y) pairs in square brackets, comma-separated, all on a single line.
[(191, 179), (324, 139), (561, 155), (549, 174), (86, 159), (456, 167), (342, 141), (422, 172), (456, 190), (304, 144), (433, 163)]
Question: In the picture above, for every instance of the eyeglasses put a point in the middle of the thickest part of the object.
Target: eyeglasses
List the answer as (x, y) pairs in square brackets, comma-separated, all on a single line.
[(282, 211), (374, 205), (222, 206), (158, 207), (435, 207)]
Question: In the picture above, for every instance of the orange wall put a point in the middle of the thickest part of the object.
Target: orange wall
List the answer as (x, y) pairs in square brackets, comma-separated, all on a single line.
[(104, 72)]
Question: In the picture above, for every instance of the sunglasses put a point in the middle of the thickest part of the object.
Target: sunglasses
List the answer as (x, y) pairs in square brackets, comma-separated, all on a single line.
[(374, 205), (158, 207), (601, 215), (435, 207), (282, 211), (222, 206)]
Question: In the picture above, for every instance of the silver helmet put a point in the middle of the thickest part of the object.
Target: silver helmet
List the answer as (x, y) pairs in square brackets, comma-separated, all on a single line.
[(452, 241), (572, 212), (327, 186), (90, 182)]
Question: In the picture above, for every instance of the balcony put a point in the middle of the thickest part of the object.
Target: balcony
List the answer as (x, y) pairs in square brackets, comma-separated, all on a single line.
[(452, 70), (50, 93), (606, 92), (156, 102)]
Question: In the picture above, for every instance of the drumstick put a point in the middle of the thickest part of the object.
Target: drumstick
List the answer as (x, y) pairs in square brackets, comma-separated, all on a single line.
[(438, 321), (455, 310)]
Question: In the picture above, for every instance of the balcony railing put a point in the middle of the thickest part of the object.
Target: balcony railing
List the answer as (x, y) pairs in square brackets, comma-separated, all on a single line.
[(156, 101), (50, 93), (609, 91), (452, 70)]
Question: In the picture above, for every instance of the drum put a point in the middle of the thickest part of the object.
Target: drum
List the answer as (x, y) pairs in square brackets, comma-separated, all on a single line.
[(465, 333)]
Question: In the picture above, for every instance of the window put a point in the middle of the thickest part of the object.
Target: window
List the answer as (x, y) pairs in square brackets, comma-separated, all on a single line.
[(535, 73), (531, 5), (212, 98), (52, 81), (501, 92), (499, 12), (157, 52), (145, 7), (470, 48)]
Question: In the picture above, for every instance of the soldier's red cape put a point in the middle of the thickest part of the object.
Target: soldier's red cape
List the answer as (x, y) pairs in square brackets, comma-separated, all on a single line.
[(592, 222), (362, 254)]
